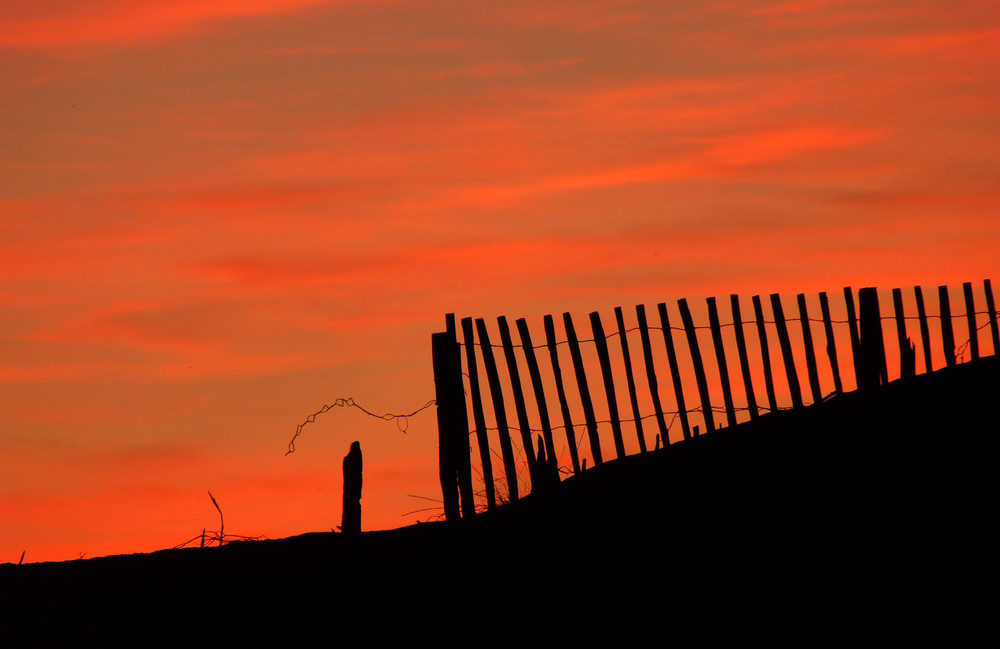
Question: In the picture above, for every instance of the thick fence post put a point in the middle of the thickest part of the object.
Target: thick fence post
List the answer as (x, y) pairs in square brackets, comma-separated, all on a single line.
[(699, 366), (720, 357), (812, 369), (872, 344), (630, 378), (947, 333), (907, 354), (741, 350), (499, 409), (551, 343), (475, 395), (852, 328), (601, 342), (350, 519), (970, 317), (548, 471), (992, 311), (831, 344), (765, 354), (581, 382), (781, 326), (675, 375), (453, 435), (925, 332), (654, 386), (519, 404)]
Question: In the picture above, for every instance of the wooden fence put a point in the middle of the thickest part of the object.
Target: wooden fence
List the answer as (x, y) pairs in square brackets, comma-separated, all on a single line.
[(517, 464)]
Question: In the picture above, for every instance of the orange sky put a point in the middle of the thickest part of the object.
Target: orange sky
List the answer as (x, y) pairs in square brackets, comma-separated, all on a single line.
[(218, 216)]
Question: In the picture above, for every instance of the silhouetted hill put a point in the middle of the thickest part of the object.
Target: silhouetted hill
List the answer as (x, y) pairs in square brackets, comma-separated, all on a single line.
[(866, 517)]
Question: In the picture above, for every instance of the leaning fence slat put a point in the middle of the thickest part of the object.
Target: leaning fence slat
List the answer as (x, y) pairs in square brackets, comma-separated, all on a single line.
[(765, 354), (907, 355), (478, 415), (519, 404), (970, 316), (925, 332), (992, 310), (831, 345), (550, 341), (499, 409), (699, 366), (545, 471), (785, 343), (675, 375), (812, 369), (449, 323), (741, 349), (855, 336), (947, 333), (647, 356), (872, 345), (581, 382), (630, 378), (601, 342), (450, 399), (720, 356)]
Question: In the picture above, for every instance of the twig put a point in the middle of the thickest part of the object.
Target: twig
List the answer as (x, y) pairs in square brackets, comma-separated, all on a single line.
[(222, 522)]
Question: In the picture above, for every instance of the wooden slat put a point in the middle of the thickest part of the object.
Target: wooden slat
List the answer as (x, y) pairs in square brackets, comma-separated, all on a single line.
[(699, 366), (871, 354), (785, 343), (519, 402), (720, 356), (654, 387), (907, 362), (812, 368), (970, 318), (476, 397), (675, 375), (581, 382), (630, 378), (499, 409), (925, 332), (947, 332), (448, 394), (551, 343), (601, 342), (449, 324), (741, 350), (852, 328), (545, 471), (991, 309), (831, 344), (765, 354)]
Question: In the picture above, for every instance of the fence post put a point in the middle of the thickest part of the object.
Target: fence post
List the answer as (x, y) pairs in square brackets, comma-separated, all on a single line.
[(452, 426), (630, 378), (550, 341), (654, 387), (852, 326), (970, 317), (675, 376), (872, 344), (720, 357), (992, 310), (350, 519), (812, 370), (785, 343), (477, 414), (741, 350), (907, 354), (925, 333), (581, 382), (831, 345), (947, 333), (519, 405), (548, 471), (601, 342), (765, 354), (699, 367), (499, 409)]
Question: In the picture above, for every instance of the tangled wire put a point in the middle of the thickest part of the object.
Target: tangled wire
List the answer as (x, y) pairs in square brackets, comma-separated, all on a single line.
[(402, 420)]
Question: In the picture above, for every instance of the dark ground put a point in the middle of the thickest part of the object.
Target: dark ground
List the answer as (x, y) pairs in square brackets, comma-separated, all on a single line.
[(869, 519)]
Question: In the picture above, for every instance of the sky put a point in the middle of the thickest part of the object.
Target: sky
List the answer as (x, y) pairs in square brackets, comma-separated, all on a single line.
[(218, 216)]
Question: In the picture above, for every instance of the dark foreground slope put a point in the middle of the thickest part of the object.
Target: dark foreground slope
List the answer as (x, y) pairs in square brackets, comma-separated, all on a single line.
[(866, 517)]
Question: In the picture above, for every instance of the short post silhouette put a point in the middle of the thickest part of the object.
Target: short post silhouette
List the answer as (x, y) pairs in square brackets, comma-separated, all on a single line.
[(351, 518)]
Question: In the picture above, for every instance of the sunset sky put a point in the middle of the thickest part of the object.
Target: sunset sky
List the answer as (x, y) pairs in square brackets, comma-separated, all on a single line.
[(219, 215)]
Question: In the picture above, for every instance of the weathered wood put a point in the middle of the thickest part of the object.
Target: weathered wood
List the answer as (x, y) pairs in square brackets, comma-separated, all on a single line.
[(520, 407), (907, 362), (741, 350), (785, 343), (478, 416), (545, 471), (630, 378), (970, 317), (925, 332), (350, 518), (947, 333), (449, 324), (552, 344), (699, 366), (871, 353), (991, 309), (453, 434), (720, 357), (581, 382), (499, 409), (654, 386), (675, 375), (601, 342), (765, 354), (852, 327), (831, 344), (812, 369)]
